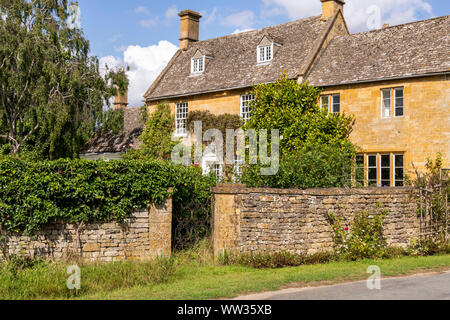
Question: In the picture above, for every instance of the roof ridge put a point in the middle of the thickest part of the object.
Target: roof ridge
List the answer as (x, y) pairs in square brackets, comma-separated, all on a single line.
[(258, 30), (397, 26)]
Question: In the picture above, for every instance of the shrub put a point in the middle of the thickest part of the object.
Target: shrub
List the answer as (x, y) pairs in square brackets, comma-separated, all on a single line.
[(314, 166), (274, 260), (428, 247), (364, 239)]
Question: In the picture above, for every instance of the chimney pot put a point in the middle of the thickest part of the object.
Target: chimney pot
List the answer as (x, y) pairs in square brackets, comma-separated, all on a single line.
[(190, 25), (331, 7)]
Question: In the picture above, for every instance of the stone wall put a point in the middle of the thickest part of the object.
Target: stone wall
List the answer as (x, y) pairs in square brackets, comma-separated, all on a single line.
[(145, 234), (257, 220)]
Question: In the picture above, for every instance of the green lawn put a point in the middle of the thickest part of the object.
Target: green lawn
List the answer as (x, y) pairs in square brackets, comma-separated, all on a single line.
[(227, 282)]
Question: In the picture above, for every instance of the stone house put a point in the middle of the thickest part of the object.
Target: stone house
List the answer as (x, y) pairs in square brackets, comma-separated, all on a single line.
[(110, 146), (395, 81)]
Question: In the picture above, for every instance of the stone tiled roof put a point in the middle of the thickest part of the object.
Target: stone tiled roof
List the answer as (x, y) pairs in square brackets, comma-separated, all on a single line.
[(111, 143), (234, 62), (401, 51)]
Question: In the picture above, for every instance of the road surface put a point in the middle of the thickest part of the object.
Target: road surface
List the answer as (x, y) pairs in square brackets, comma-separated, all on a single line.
[(419, 287)]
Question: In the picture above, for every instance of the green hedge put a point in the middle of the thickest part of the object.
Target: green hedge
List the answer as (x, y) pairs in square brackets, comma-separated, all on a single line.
[(34, 194), (314, 166)]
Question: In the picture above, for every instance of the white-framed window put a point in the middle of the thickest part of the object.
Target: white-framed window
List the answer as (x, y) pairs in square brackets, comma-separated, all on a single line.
[(245, 106), (217, 169), (238, 163), (265, 53), (181, 114), (392, 102), (211, 163), (331, 103), (386, 104), (198, 65), (399, 170)]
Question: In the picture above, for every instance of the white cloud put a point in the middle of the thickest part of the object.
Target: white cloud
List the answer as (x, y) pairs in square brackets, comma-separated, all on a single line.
[(141, 10), (172, 12), (115, 38), (145, 63), (355, 11), (148, 23), (209, 17), (241, 20)]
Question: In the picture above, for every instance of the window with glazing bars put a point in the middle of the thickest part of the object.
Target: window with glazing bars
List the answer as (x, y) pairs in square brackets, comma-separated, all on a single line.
[(245, 108), (372, 170), (181, 113), (399, 171), (198, 65), (265, 54), (392, 102), (359, 170), (385, 170), (331, 103)]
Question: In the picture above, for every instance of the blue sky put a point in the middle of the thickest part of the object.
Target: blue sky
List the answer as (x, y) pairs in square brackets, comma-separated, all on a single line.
[(144, 33)]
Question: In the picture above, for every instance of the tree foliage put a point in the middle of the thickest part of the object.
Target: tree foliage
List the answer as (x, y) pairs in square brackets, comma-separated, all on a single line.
[(315, 149), (157, 136), (51, 92), (292, 108)]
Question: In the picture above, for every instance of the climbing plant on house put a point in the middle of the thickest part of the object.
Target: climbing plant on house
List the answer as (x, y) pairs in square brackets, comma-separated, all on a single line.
[(315, 148)]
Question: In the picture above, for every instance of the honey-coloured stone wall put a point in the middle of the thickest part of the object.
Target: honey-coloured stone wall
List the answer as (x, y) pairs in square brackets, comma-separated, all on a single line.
[(144, 235), (273, 220)]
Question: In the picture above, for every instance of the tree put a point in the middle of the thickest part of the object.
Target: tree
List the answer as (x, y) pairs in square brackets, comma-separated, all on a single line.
[(315, 149), (157, 136), (292, 108), (51, 92)]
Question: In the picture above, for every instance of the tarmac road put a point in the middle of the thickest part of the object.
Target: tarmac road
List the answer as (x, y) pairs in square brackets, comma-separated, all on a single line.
[(418, 287)]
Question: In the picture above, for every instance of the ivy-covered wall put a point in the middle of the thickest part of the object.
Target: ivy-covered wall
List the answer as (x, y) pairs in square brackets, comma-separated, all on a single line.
[(34, 195)]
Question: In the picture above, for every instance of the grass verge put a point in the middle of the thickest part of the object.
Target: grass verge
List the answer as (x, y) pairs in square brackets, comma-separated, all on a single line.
[(189, 275), (230, 281)]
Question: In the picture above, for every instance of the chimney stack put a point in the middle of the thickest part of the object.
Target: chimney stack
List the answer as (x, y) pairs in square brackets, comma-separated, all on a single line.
[(330, 7), (120, 100), (190, 25)]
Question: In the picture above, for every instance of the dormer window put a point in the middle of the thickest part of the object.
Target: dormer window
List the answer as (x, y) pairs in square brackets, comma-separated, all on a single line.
[(267, 49), (198, 65), (265, 53)]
